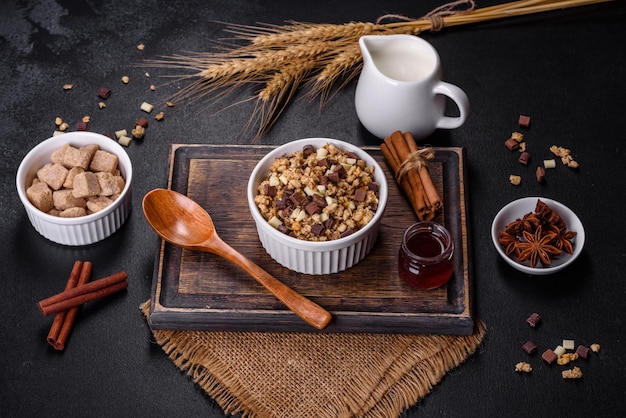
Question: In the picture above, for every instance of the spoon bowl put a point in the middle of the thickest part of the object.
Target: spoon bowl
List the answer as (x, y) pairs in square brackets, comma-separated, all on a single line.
[(182, 222)]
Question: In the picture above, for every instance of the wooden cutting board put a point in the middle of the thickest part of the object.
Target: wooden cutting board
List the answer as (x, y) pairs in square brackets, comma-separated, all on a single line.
[(200, 291)]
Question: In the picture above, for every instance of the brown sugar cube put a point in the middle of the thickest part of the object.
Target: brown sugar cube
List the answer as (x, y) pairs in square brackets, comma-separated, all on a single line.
[(40, 195), (524, 121), (58, 156), (69, 180), (103, 161), (53, 175), (90, 149), (86, 184), (54, 212), (96, 204), (64, 199), (108, 184), (74, 157), (120, 183), (73, 213)]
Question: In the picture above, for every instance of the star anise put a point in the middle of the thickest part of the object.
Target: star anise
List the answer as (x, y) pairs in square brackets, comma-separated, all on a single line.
[(563, 238), (509, 242), (528, 222), (537, 248)]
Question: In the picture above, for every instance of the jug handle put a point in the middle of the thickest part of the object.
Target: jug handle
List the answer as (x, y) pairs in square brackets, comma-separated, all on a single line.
[(461, 100)]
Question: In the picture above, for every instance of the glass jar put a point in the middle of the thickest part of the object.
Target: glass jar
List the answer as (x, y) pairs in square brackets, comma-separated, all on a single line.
[(425, 260)]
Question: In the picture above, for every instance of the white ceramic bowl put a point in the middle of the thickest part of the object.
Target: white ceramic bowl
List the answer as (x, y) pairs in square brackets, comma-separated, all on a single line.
[(516, 210), (85, 229), (316, 257)]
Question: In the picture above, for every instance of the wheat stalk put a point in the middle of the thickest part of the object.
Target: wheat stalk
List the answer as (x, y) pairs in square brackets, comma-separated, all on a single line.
[(277, 60)]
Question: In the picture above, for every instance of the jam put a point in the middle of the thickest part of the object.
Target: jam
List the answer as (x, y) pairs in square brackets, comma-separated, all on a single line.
[(425, 260)]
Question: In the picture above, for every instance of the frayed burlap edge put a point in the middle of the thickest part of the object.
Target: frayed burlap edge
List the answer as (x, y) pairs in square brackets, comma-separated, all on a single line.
[(402, 382)]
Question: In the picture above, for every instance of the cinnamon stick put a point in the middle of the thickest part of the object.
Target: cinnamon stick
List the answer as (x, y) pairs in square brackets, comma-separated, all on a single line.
[(427, 181), (58, 341), (59, 318), (83, 294)]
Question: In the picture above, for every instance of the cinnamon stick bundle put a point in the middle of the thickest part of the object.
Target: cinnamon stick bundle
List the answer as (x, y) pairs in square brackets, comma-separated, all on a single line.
[(409, 165)]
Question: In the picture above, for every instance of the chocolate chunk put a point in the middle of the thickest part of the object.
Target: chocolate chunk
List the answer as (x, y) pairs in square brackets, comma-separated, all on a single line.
[(360, 195), (352, 155), (297, 198), (333, 177), (530, 347), (282, 228), (345, 233), (330, 222), (534, 319), (549, 356), (540, 174), (323, 181), (511, 144), (307, 150), (341, 171), (524, 158), (104, 93), (373, 186), (143, 122), (524, 121), (311, 208), (269, 190), (317, 229), (582, 351), (319, 201), (280, 204), (323, 163), (82, 126)]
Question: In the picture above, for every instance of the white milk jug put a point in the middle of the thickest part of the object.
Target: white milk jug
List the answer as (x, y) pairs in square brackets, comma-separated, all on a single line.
[(401, 89)]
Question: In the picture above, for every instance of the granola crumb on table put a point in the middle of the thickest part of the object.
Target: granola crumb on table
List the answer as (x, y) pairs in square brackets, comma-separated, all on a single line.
[(318, 194)]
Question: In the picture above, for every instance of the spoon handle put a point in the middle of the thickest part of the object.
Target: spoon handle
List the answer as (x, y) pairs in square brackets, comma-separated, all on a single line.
[(309, 311)]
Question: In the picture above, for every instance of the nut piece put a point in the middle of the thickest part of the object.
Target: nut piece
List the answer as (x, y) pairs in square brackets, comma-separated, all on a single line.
[(574, 373), (138, 132), (515, 180), (517, 136), (566, 358), (523, 367), (140, 47), (125, 79), (58, 121), (68, 86), (159, 116), (595, 347)]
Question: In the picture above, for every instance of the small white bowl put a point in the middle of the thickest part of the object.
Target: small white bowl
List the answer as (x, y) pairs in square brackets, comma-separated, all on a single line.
[(82, 230), (516, 210), (316, 257)]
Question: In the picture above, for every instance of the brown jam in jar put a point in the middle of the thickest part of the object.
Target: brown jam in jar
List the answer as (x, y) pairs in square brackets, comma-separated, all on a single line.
[(425, 260)]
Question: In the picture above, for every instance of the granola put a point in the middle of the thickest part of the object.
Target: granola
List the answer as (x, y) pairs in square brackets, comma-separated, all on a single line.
[(318, 194)]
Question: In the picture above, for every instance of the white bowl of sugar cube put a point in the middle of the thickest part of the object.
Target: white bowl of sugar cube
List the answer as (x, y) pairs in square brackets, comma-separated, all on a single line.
[(76, 187)]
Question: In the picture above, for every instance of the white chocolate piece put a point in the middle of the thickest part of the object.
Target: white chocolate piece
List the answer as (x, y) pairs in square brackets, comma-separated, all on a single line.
[(549, 163), (568, 344), (124, 140), (559, 350), (147, 107)]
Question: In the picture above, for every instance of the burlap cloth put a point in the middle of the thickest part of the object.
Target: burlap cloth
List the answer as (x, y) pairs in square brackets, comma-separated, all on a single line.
[(316, 375)]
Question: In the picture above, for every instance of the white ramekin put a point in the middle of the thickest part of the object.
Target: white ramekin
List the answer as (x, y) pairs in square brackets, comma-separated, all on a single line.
[(316, 257), (83, 230)]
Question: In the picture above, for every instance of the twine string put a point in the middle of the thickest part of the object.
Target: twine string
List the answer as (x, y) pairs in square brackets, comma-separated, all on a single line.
[(415, 161), (435, 16)]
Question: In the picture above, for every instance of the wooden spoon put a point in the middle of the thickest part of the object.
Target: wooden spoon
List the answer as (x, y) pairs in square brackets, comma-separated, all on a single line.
[(182, 222)]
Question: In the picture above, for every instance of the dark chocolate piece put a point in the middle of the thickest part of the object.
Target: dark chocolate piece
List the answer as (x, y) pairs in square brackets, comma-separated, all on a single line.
[(311, 208), (549, 356), (530, 347), (104, 93), (345, 233), (524, 158), (82, 126), (333, 177), (307, 150), (540, 174), (511, 144), (297, 198), (534, 319), (143, 122), (582, 351), (323, 181), (524, 121), (317, 229), (373, 186), (360, 195)]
